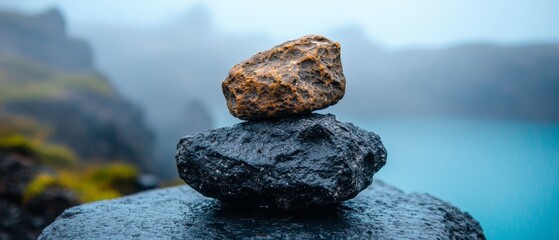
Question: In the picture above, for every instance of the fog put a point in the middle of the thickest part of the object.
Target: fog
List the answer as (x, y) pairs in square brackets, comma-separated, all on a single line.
[(464, 95), (394, 23), (171, 58), (164, 69)]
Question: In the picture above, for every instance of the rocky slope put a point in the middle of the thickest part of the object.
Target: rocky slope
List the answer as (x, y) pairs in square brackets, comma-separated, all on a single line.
[(23, 216), (43, 37), (62, 125), (48, 76)]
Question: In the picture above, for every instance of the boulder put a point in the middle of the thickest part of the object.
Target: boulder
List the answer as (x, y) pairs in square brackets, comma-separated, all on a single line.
[(291, 163), (24, 217), (296, 77), (379, 212)]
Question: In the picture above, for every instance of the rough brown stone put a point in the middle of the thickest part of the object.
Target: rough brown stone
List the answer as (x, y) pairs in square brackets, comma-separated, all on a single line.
[(296, 77)]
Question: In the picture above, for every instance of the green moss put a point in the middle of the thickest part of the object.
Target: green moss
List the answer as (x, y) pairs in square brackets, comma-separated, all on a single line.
[(85, 187), (90, 183), (22, 79), (25, 136), (18, 144), (84, 83), (57, 155), (19, 125), (114, 172), (20, 92), (38, 185), (14, 69), (100, 181), (48, 154), (119, 176), (90, 192)]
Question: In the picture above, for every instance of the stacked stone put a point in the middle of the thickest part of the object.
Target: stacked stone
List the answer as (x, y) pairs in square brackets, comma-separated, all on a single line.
[(284, 156)]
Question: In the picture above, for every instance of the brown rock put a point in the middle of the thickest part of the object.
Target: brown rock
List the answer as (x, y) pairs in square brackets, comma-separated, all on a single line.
[(296, 77)]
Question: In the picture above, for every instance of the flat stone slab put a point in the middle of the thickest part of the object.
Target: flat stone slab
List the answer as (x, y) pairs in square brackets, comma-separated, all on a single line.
[(379, 212)]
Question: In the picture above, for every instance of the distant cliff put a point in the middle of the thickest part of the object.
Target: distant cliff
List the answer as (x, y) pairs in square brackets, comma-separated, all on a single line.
[(43, 38), (473, 80), (469, 80), (49, 77)]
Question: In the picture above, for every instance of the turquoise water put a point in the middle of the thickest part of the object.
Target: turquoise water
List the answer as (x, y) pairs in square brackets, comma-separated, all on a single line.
[(506, 174)]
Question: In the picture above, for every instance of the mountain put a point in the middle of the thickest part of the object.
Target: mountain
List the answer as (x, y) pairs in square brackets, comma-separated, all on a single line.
[(43, 38), (178, 62), (468, 80), (49, 77), (67, 136)]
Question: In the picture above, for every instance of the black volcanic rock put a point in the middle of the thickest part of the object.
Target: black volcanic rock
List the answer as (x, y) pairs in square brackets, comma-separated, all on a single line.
[(291, 163), (379, 212), (21, 219)]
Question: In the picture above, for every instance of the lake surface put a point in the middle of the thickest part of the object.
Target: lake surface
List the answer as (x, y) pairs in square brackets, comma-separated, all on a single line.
[(506, 174)]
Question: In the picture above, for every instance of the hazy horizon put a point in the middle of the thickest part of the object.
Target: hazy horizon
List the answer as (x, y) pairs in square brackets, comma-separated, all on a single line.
[(390, 24), (173, 69)]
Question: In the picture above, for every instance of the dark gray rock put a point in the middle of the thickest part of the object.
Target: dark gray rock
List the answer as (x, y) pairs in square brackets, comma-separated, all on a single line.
[(379, 212), (25, 218), (291, 163)]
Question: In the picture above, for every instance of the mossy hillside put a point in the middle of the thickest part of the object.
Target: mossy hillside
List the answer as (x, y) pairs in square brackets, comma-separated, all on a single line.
[(49, 154), (22, 79), (62, 126), (82, 102), (20, 125), (77, 109), (90, 181)]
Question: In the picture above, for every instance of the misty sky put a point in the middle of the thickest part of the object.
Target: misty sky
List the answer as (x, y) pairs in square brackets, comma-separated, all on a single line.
[(391, 23)]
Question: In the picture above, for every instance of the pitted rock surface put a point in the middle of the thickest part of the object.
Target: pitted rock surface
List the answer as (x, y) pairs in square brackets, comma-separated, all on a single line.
[(379, 212), (296, 77), (300, 162)]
